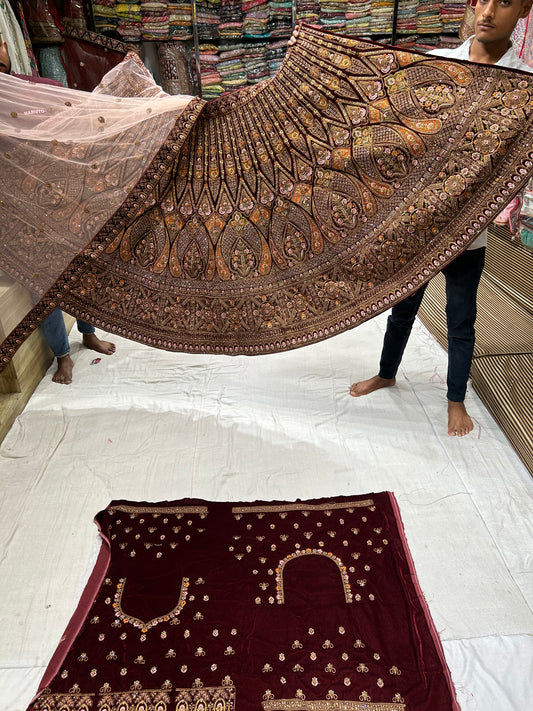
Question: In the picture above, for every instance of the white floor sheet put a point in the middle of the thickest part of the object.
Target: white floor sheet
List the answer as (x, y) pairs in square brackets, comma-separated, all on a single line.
[(148, 425)]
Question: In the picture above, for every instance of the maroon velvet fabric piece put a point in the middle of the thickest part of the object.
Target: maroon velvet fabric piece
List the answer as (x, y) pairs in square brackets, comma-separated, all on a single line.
[(87, 56), (309, 605)]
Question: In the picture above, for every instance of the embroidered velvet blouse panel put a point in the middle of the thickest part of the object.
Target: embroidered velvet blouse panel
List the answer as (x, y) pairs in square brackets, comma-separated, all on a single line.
[(309, 605)]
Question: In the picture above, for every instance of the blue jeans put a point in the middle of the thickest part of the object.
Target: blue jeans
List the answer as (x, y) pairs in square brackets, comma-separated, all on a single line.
[(462, 280), (55, 332)]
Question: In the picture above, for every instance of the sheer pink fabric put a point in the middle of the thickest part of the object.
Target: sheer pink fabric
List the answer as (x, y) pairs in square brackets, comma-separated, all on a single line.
[(70, 158)]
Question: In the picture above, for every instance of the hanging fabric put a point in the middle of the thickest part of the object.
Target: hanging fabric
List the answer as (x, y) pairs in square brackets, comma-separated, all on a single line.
[(268, 219)]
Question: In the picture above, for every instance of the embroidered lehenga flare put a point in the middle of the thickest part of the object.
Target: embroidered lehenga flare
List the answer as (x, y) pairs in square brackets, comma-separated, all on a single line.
[(203, 606), (274, 217)]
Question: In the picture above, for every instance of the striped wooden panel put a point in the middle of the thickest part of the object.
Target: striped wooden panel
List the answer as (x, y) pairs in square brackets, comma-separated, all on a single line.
[(502, 324), (505, 385), (510, 265)]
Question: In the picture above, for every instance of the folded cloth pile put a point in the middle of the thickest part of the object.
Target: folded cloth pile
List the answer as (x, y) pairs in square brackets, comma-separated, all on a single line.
[(407, 22), (207, 19), (428, 19), (209, 76), (231, 68), (275, 51), (280, 18), (406, 41), (129, 20), (452, 12), (230, 10), (105, 16), (381, 16), (449, 41), (308, 11), (358, 17), (155, 19), (230, 30), (255, 63), (180, 20), (333, 14), (256, 18)]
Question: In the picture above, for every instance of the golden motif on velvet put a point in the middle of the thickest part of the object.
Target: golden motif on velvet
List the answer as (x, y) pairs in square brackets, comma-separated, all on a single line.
[(329, 705), (141, 624), (284, 508), (280, 596), (219, 698), (179, 510)]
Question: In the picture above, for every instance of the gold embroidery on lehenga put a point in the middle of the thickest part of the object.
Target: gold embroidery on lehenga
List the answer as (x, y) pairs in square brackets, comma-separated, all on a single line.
[(302, 507), (203, 510), (145, 626), (198, 697), (334, 704), (280, 595)]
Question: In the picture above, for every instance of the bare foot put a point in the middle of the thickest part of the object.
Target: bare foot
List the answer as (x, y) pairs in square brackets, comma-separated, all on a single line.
[(63, 374), (91, 341), (366, 387), (459, 421)]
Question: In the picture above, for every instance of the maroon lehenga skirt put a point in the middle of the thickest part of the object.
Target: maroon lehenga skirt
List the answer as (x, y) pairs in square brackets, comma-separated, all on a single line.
[(293, 210)]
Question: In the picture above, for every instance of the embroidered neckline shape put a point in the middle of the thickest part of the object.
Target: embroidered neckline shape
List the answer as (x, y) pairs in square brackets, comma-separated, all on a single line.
[(141, 624)]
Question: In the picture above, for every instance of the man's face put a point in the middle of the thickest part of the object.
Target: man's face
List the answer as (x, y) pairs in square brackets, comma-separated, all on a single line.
[(496, 19), (5, 62)]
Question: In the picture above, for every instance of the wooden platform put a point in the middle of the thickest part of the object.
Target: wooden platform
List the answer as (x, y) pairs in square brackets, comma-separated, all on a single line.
[(20, 378)]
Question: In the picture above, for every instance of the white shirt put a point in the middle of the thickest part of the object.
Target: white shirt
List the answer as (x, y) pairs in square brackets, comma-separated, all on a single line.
[(510, 60)]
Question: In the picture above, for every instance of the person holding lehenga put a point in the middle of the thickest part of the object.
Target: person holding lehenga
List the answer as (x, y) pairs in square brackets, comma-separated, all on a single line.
[(494, 23)]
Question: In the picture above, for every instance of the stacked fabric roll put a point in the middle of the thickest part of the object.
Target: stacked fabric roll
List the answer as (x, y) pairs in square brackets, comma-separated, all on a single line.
[(275, 51), (452, 12), (333, 14), (231, 68), (448, 42), (308, 11), (358, 17), (209, 76), (256, 63), (105, 16), (180, 20), (407, 20), (230, 14), (256, 18), (280, 18), (428, 19), (230, 30), (381, 16), (207, 19), (155, 19), (129, 20), (407, 41)]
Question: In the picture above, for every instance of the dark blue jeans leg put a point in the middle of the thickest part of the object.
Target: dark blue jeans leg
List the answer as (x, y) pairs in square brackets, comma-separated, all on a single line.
[(462, 280), (84, 327), (55, 333), (399, 325)]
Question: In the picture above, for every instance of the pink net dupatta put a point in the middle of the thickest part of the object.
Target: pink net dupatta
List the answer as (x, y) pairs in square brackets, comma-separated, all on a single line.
[(268, 219), (69, 160)]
